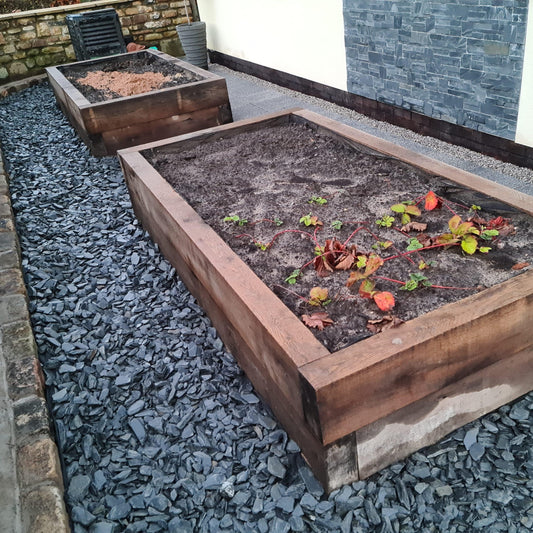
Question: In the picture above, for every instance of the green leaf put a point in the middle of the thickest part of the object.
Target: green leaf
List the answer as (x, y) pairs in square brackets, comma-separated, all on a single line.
[(361, 261), (469, 244), (278, 222), (488, 234), (385, 221), (293, 278), (411, 285), (336, 224), (485, 249), (398, 208), (414, 244), (317, 200)]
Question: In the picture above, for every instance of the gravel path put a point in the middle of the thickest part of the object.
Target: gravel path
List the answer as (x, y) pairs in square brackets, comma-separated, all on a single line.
[(157, 427)]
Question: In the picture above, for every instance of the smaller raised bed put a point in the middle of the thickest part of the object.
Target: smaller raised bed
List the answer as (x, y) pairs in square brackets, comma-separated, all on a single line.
[(194, 99), (358, 409)]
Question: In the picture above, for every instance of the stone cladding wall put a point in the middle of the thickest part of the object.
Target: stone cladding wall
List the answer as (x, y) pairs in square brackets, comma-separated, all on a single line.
[(455, 60), (33, 40)]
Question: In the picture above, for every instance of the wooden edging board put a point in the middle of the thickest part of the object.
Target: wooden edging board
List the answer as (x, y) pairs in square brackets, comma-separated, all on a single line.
[(339, 407), (118, 123)]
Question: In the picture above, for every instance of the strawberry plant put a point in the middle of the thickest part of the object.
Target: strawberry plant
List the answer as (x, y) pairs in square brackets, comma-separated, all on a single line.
[(236, 220), (333, 256), (318, 200)]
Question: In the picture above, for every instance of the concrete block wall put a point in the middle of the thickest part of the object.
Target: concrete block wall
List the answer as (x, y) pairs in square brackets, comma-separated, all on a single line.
[(459, 61), (33, 40)]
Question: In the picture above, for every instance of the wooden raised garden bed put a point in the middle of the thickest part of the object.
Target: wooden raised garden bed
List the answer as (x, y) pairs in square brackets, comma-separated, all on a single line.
[(195, 99), (365, 406)]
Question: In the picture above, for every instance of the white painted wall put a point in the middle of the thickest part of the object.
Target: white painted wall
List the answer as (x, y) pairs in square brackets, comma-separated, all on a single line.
[(301, 37), (524, 127)]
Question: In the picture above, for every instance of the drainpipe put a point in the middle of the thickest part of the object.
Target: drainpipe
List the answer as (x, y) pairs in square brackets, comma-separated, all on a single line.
[(194, 9)]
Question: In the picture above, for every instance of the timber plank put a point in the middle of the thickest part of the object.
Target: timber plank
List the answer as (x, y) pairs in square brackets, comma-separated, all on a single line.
[(120, 122), (339, 407), (428, 420), (137, 133), (379, 375)]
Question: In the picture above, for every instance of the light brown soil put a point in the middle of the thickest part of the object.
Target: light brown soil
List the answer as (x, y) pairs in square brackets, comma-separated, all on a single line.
[(124, 83), (125, 75), (276, 171)]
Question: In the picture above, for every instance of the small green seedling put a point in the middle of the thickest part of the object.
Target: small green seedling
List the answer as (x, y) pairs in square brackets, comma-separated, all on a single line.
[(236, 219), (336, 224), (293, 277), (416, 280), (310, 220), (385, 221), (318, 200)]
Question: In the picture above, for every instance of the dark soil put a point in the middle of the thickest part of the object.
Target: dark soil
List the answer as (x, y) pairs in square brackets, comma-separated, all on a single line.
[(135, 62), (274, 172)]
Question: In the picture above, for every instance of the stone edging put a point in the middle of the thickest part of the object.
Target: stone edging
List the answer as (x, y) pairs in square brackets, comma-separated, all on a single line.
[(39, 480)]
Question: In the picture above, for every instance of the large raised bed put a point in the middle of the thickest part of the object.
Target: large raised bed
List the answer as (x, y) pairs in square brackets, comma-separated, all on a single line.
[(106, 126), (361, 408)]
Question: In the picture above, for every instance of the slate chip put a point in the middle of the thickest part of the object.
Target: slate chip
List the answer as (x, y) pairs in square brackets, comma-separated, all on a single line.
[(156, 424)]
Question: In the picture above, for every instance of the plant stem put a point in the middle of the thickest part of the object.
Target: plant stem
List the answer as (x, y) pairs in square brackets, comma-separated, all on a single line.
[(383, 278)]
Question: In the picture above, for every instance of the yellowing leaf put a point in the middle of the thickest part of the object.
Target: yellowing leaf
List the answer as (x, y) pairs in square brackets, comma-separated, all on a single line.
[(318, 295), (413, 210), (384, 300), (366, 289), (454, 222), (373, 263), (398, 208), (469, 244), (354, 277)]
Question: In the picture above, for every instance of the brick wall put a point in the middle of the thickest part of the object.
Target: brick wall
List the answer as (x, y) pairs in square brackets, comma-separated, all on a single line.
[(33, 40), (458, 61)]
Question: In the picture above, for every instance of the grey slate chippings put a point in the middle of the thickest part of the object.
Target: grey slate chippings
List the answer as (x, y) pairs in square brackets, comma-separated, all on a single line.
[(158, 428)]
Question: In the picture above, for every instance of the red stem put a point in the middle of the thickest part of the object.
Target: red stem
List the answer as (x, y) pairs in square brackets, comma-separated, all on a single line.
[(431, 286)]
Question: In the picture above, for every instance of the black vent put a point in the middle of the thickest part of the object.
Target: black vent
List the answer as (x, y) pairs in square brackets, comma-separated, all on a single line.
[(96, 34)]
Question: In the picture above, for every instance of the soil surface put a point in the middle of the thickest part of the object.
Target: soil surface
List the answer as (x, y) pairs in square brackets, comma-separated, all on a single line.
[(274, 173), (116, 77)]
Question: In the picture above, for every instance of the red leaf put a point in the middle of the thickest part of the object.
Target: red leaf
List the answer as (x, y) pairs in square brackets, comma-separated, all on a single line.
[(322, 267), (432, 201), (384, 300), (520, 266), (318, 320)]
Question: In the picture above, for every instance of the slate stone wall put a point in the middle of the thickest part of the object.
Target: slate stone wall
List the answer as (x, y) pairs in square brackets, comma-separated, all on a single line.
[(455, 60)]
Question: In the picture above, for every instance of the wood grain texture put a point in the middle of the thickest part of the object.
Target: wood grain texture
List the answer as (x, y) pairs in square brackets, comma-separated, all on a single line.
[(120, 122), (379, 375), (427, 421), (430, 375)]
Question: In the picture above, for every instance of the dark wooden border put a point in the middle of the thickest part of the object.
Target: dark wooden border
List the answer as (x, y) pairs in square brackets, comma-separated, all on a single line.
[(113, 124), (487, 144), (430, 375)]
